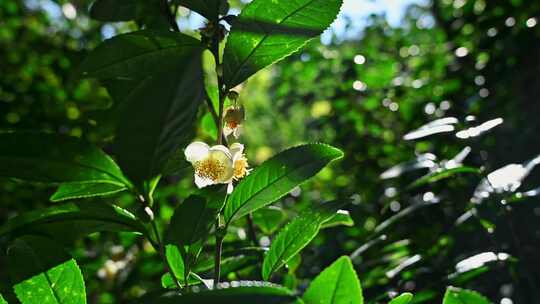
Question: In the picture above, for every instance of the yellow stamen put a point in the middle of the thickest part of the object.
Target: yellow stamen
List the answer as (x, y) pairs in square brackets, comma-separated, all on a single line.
[(209, 168), (240, 168)]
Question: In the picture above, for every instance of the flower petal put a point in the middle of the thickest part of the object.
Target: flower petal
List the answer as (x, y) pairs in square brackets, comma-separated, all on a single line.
[(202, 182), (236, 150), (227, 131), (196, 151), (230, 188), (223, 156)]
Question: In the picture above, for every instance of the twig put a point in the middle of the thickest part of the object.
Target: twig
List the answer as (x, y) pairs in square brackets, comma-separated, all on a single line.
[(251, 230)]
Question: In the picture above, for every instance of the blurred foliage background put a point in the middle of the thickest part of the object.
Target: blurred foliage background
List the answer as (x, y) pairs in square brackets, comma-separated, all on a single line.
[(475, 60)]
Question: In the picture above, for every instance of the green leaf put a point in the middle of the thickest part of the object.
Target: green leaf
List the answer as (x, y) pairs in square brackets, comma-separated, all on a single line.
[(114, 10), (53, 158), (85, 190), (337, 284), (207, 8), (268, 31), (268, 219), (43, 273), (277, 177), (241, 293), (455, 295), (297, 235), (137, 55), (403, 298), (72, 220), (442, 174), (191, 223), (149, 133), (341, 218), (176, 263), (2, 301)]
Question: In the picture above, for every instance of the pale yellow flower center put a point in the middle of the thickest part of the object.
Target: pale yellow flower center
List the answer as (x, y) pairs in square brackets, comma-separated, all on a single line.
[(209, 168), (240, 168)]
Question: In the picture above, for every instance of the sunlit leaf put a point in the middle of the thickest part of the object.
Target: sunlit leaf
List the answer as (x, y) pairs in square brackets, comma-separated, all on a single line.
[(296, 235), (443, 125), (403, 298), (337, 284), (85, 190), (277, 177), (443, 174), (268, 31), (342, 218), (455, 295), (43, 273)]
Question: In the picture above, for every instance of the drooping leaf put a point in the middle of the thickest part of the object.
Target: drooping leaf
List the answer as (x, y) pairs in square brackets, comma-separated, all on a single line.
[(43, 273), (150, 132), (403, 298), (277, 177), (341, 218), (85, 190), (268, 219), (72, 220), (337, 284), (296, 235), (55, 158), (268, 31), (241, 292), (455, 295), (136, 55)]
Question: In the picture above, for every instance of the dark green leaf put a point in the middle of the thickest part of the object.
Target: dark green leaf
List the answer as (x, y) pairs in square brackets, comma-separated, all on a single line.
[(85, 190), (240, 293), (337, 284), (341, 218), (191, 223), (268, 31), (72, 220), (442, 174), (43, 273), (55, 158), (268, 219), (150, 132), (455, 295), (136, 55), (403, 298), (277, 177), (297, 235)]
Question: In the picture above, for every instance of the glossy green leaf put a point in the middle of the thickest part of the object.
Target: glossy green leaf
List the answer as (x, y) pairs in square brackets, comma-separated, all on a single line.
[(42, 273), (455, 295), (236, 293), (85, 190), (337, 284), (403, 298), (442, 174), (137, 55), (297, 235), (268, 31), (277, 177), (55, 158), (268, 219), (341, 218), (70, 221), (114, 10)]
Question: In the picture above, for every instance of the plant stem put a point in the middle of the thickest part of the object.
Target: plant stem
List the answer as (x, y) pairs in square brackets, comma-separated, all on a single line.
[(217, 258), (251, 230), (164, 5)]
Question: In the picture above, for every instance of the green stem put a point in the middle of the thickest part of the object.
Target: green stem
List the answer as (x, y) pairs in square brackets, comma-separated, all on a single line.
[(217, 258)]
